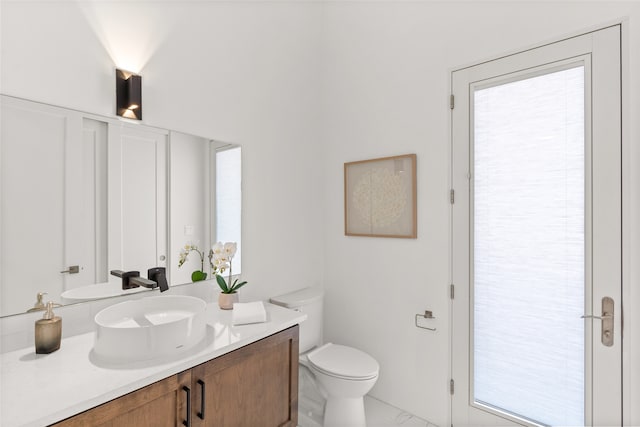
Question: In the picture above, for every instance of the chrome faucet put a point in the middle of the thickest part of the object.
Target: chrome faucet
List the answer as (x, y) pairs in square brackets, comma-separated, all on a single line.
[(157, 278)]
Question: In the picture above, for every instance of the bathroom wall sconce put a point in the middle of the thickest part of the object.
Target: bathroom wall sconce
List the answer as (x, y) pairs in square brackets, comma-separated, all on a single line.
[(128, 95)]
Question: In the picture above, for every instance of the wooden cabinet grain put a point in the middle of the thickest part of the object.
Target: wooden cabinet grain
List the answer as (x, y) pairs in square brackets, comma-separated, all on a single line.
[(255, 385), (160, 404)]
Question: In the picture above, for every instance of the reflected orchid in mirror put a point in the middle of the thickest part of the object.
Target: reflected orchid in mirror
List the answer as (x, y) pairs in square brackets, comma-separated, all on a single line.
[(197, 275), (220, 257)]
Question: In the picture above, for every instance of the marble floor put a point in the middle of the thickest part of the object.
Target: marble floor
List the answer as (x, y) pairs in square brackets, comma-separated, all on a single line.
[(381, 414), (378, 413)]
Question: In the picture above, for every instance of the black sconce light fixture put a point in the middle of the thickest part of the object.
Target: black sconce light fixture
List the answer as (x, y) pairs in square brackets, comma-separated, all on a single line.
[(128, 95)]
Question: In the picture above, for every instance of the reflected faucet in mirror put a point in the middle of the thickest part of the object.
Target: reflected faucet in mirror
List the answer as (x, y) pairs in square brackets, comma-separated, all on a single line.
[(157, 278)]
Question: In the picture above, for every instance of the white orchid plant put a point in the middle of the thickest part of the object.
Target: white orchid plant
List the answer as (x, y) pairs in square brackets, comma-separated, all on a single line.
[(220, 257), (197, 275)]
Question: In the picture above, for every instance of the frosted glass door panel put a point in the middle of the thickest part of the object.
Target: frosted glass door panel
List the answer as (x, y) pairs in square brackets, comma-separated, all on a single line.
[(528, 262)]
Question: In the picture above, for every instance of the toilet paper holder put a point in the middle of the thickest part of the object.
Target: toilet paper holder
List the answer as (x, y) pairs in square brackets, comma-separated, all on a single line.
[(428, 314)]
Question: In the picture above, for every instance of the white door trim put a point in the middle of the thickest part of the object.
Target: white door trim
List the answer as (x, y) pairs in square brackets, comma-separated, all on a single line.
[(625, 149)]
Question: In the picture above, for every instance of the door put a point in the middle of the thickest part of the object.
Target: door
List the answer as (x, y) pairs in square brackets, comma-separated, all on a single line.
[(137, 198), (536, 236), (45, 223), (86, 208)]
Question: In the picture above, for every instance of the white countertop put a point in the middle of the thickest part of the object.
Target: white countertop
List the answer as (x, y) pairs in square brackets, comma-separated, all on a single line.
[(41, 389)]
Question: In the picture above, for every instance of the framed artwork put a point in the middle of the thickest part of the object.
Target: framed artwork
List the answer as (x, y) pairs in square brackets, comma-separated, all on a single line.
[(380, 197)]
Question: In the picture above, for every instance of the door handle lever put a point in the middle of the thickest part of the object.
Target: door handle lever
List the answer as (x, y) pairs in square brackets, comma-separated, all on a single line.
[(591, 316), (74, 269), (606, 334)]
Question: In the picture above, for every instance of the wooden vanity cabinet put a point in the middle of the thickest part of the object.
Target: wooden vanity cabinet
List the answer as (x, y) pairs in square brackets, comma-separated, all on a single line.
[(255, 385), (161, 404)]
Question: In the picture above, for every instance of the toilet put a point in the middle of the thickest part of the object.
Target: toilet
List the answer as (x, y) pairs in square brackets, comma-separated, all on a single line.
[(344, 374)]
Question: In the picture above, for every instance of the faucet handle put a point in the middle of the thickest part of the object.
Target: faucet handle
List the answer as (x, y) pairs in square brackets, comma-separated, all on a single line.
[(156, 270), (159, 275)]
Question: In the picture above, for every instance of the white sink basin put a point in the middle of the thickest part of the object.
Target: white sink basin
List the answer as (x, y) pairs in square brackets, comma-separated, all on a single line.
[(149, 328), (97, 291)]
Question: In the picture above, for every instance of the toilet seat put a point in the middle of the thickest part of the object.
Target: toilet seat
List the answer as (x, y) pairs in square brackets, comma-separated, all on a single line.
[(344, 362)]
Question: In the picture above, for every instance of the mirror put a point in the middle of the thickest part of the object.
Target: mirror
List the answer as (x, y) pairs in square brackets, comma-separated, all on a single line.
[(82, 195)]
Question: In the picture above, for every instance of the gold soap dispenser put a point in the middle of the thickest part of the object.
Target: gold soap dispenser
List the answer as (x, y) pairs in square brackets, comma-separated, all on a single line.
[(48, 331), (39, 305)]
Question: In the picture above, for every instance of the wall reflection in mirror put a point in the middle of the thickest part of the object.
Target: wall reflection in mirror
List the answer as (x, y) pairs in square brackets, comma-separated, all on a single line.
[(82, 195)]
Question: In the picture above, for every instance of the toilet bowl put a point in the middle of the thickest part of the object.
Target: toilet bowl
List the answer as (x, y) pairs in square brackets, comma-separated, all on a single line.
[(346, 375), (343, 374)]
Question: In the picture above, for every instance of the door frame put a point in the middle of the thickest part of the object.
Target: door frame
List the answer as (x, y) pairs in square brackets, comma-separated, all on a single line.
[(628, 201)]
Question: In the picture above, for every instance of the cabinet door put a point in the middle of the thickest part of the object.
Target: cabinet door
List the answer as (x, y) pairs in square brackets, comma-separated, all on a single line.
[(256, 385), (160, 404)]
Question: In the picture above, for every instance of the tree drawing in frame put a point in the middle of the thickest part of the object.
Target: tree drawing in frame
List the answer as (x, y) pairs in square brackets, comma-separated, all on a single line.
[(380, 197)]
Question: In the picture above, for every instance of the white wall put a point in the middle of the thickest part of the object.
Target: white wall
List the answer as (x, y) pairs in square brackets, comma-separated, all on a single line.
[(189, 204), (239, 72), (387, 67)]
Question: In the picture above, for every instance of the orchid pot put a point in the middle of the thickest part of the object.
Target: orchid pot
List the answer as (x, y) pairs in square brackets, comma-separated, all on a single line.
[(225, 301), (220, 257)]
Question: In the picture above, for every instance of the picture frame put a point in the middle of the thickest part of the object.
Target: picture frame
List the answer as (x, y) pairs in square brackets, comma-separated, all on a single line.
[(380, 197)]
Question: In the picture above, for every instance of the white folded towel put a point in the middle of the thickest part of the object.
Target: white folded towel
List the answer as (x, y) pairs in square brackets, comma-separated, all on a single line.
[(248, 312)]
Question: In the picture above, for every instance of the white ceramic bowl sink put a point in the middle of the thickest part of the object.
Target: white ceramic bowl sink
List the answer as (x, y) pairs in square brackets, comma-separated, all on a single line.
[(149, 328), (97, 291)]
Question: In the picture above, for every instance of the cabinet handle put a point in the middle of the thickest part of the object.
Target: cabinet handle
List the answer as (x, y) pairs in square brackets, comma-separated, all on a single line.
[(187, 423), (202, 400)]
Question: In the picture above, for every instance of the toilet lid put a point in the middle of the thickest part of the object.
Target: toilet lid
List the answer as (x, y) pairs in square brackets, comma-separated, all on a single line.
[(343, 361)]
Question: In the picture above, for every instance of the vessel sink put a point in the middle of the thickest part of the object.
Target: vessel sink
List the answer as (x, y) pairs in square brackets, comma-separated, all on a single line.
[(98, 291), (149, 328)]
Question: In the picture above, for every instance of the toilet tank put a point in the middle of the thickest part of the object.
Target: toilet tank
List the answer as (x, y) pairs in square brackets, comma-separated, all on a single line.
[(309, 302)]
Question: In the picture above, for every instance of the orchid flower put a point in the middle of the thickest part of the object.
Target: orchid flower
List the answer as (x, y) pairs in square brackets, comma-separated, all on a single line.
[(220, 257), (184, 253)]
